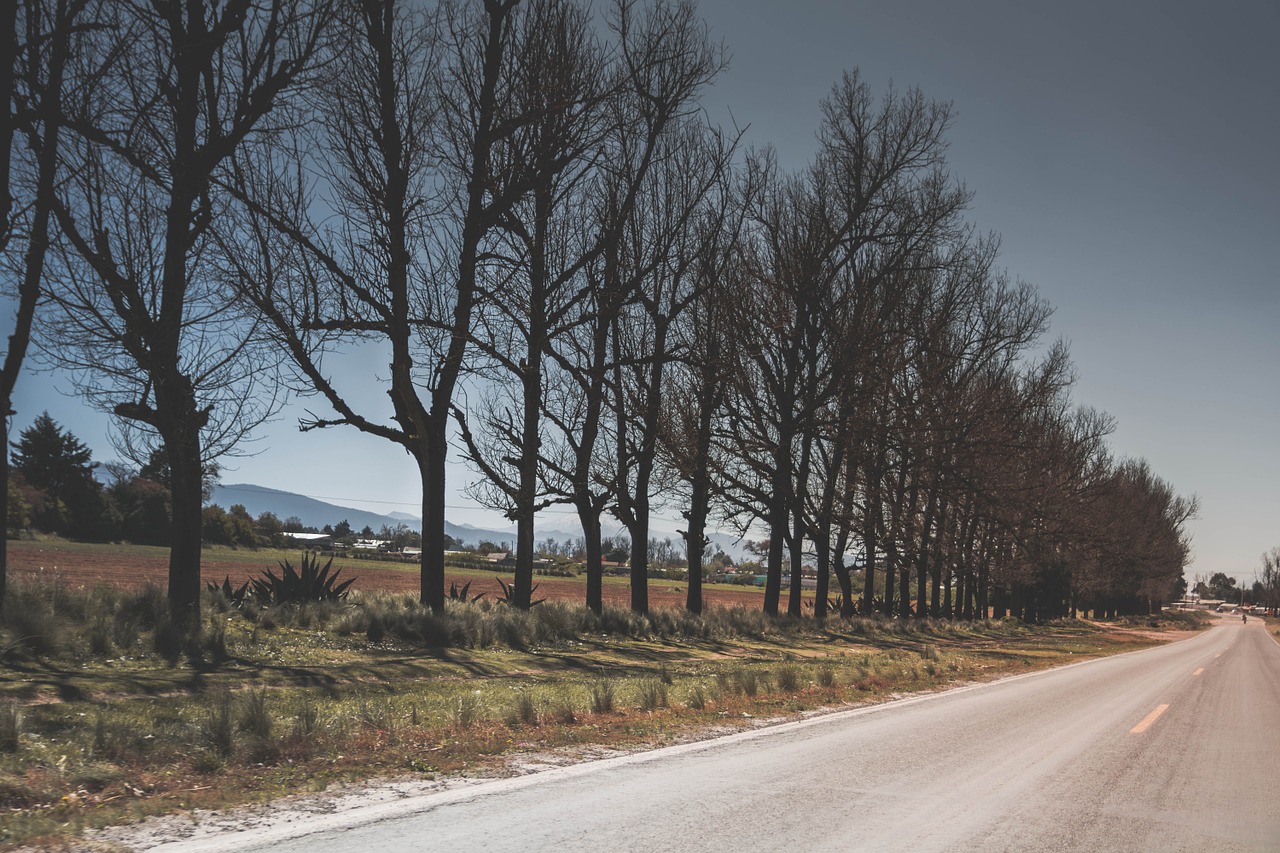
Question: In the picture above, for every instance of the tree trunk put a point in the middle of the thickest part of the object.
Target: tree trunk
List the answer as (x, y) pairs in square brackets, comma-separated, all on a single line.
[(801, 480), (966, 600), (640, 560), (4, 504), (796, 550), (948, 578), (843, 576), (431, 460), (999, 607), (695, 540), (870, 526), (700, 492), (939, 538), (869, 569), (984, 576), (922, 556), (531, 386), (906, 554), (822, 546), (773, 568), (589, 518), (644, 472), (845, 580), (185, 490)]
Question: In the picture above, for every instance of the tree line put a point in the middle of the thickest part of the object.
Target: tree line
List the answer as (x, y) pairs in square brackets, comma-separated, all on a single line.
[(54, 488), (520, 208)]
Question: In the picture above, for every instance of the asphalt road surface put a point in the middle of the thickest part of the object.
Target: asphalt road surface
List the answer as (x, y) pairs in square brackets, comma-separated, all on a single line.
[(1174, 748)]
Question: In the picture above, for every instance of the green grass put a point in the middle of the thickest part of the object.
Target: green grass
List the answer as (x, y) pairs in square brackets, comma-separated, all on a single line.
[(98, 725)]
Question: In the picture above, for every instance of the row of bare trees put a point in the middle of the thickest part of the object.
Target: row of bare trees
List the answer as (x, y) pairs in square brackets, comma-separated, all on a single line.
[(1266, 589), (518, 207)]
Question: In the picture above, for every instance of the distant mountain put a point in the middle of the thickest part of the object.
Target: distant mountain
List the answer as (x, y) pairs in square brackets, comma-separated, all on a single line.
[(407, 517), (317, 513), (314, 513)]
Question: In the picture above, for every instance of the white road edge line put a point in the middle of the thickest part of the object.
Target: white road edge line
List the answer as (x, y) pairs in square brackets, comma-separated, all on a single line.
[(426, 802)]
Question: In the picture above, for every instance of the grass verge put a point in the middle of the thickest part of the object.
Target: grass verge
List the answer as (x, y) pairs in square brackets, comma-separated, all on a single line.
[(105, 719)]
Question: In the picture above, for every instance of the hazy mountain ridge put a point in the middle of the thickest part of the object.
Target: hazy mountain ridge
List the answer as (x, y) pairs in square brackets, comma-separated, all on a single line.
[(314, 512), (317, 513)]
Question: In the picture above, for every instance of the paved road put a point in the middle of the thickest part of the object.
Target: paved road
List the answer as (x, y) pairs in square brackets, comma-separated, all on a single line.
[(1175, 748)]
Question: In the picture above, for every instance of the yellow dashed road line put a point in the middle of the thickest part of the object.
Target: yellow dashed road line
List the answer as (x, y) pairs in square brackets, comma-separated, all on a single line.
[(1148, 720)]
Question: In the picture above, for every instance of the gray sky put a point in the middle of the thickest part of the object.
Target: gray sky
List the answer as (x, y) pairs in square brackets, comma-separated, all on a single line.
[(1124, 151)]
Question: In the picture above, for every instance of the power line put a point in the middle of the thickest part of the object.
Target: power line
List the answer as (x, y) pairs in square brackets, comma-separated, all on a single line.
[(263, 490), (564, 515)]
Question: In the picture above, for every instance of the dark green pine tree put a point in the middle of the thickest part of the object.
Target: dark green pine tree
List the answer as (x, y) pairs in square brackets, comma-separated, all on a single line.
[(59, 466)]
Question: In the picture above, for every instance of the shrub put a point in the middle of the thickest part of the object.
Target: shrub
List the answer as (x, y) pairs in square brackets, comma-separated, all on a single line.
[(557, 621), (826, 676), (466, 710), (788, 676), (697, 698), (125, 629), (166, 639), (309, 582), (653, 694), (213, 641), (603, 697), (10, 727), (219, 725), (727, 684), (34, 627), (525, 710), (307, 718), (378, 715), (99, 635), (565, 710), (255, 718)]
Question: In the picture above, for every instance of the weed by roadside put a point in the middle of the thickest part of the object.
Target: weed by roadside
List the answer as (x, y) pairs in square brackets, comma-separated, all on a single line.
[(302, 696)]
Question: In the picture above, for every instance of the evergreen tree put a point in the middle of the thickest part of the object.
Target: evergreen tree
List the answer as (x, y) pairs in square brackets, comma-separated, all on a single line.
[(51, 458), (53, 462)]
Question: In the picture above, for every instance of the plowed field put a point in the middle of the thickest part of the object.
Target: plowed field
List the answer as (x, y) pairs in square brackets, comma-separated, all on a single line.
[(134, 566)]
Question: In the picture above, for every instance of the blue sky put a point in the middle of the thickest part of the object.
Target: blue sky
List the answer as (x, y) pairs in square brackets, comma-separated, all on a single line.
[(1124, 151)]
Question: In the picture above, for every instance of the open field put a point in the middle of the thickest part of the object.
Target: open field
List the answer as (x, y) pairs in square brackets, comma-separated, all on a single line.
[(102, 722), (132, 566)]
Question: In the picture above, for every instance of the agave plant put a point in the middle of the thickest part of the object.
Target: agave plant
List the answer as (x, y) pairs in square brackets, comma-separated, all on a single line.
[(456, 594), (234, 595), (509, 592), (310, 582)]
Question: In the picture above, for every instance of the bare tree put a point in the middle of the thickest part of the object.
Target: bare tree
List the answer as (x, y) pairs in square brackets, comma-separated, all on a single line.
[(575, 454), (38, 39), (530, 293), (669, 231), (832, 246), (1270, 579), (170, 91), (694, 401), (563, 296), (406, 152)]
